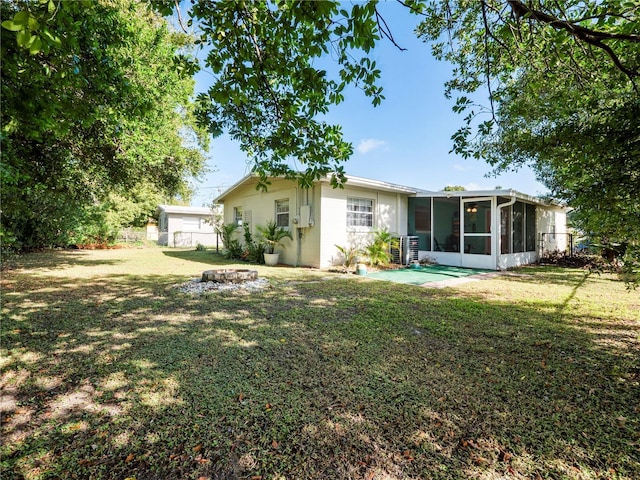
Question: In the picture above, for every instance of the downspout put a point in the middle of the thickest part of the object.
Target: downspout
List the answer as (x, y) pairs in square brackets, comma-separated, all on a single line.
[(499, 221), (377, 223), (299, 232)]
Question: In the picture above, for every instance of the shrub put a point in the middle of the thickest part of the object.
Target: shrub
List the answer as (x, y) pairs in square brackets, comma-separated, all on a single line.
[(272, 236), (253, 251), (350, 255), (576, 260), (379, 250), (233, 248)]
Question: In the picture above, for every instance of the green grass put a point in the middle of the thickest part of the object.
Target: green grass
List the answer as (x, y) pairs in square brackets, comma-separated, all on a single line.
[(108, 372)]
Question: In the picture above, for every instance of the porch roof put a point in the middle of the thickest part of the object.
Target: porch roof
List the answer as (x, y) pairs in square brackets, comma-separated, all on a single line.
[(488, 193)]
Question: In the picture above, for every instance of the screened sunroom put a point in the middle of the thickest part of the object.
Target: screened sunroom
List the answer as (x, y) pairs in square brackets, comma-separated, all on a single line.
[(489, 229)]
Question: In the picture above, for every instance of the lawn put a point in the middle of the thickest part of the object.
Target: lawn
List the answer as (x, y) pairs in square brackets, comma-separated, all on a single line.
[(107, 372)]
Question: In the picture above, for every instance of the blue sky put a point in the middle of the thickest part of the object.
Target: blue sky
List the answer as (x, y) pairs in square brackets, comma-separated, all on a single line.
[(406, 140)]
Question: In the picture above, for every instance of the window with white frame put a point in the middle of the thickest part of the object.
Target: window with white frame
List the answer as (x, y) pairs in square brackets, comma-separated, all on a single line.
[(282, 213), (237, 215), (359, 212)]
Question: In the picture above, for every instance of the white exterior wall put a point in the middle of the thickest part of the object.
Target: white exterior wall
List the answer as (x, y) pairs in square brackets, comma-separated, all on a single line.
[(390, 212), (260, 207), (512, 260), (552, 220), (309, 238), (179, 235), (174, 231)]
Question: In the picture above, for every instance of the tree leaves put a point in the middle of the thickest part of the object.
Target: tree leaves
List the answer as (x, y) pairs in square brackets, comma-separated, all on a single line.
[(268, 91), (82, 123), (561, 78)]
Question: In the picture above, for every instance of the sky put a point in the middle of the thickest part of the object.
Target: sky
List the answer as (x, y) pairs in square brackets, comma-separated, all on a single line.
[(406, 140)]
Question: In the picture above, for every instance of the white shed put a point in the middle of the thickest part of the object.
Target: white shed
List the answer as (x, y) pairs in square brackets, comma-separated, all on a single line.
[(181, 226)]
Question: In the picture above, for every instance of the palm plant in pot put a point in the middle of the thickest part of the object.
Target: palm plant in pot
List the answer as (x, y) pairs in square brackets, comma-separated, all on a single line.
[(272, 236)]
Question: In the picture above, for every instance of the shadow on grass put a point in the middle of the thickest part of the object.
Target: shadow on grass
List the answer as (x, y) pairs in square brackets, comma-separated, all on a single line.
[(277, 273), (57, 259), (120, 376), (207, 256)]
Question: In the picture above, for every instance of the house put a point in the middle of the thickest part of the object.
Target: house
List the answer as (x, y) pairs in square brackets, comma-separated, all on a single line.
[(180, 226), (494, 229)]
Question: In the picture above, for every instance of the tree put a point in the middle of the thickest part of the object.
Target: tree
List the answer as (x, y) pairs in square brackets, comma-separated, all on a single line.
[(454, 188), (562, 83), (561, 78), (556, 76), (268, 92), (95, 107)]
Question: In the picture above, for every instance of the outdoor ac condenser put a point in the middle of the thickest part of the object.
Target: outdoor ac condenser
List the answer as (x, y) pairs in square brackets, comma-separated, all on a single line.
[(407, 250)]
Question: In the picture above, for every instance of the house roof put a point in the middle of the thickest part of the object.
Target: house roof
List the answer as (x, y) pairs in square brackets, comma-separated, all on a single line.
[(378, 185), (351, 181), (489, 193), (184, 210), (411, 191)]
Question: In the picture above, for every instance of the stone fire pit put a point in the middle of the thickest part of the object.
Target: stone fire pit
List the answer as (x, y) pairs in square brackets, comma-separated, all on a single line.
[(229, 276)]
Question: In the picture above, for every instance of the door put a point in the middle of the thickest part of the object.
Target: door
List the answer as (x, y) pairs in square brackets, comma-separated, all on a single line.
[(476, 241)]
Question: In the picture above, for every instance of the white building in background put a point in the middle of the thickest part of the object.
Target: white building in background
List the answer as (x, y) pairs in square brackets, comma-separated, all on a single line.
[(180, 226)]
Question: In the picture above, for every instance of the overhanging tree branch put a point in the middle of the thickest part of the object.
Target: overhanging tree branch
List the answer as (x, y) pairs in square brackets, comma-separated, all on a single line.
[(386, 31), (586, 35), (487, 32)]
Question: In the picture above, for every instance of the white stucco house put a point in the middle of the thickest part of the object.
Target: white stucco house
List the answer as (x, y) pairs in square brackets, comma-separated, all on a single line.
[(180, 226), (494, 229)]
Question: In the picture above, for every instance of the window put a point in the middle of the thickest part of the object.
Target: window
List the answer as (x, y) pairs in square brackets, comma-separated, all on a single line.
[(237, 215), (282, 213), (505, 230), (359, 212), (518, 227)]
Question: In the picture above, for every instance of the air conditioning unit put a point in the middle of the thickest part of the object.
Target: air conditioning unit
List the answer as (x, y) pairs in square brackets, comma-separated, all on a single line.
[(407, 250)]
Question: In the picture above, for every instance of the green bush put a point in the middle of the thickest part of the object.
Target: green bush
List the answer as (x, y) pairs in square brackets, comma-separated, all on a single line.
[(232, 246), (350, 255), (253, 251), (379, 250), (272, 236)]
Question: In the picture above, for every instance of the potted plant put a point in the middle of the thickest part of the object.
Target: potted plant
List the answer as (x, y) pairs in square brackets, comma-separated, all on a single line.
[(272, 236)]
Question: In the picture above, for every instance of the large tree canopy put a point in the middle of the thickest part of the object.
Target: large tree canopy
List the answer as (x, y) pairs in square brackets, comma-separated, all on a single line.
[(563, 80), (560, 79), (95, 100), (267, 90)]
